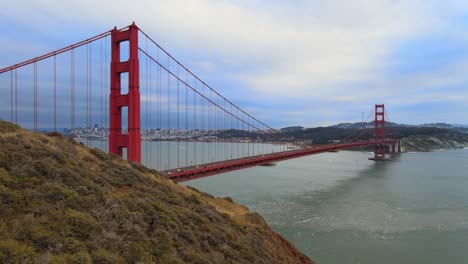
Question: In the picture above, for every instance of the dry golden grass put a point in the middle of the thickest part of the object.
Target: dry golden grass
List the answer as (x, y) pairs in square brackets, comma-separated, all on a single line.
[(61, 202)]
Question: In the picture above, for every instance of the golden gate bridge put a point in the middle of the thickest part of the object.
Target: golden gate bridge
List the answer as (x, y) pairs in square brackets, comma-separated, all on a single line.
[(154, 96)]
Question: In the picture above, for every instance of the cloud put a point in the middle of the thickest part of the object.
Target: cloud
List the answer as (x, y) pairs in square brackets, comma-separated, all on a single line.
[(316, 52)]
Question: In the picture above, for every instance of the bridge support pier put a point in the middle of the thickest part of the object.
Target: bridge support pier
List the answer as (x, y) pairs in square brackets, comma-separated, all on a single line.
[(395, 147), (131, 139)]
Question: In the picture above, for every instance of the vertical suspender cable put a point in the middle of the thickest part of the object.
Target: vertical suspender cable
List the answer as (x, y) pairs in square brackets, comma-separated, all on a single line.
[(91, 87), (159, 83), (254, 143), (223, 124), (202, 116), (90, 125), (243, 144), (150, 114), (72, 105), (262, 139), (225, 120), (35, 96), (146, 104), (186, 120), (87, 95), (106, 108), (215, 130), (210, 124), (101, 99), (232, 128), (226, 128), (248, 137), (16, 96), (214, 126), (11, 96), (239, 131), (218, 130), (55, 94), (193, 159), (169, 114), (178, 119)]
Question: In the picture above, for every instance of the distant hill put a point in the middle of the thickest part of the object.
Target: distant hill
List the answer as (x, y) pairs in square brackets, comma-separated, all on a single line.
[(415, 138), (460, 125), (360, 125), (291, 128), (438, 125), (61, 202)]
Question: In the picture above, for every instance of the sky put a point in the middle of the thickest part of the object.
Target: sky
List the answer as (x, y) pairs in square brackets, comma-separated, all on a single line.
[(310, 63)]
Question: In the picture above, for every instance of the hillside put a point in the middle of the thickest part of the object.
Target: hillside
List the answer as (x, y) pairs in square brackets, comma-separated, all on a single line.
[(413, 138), (434, 142), (61, 202)]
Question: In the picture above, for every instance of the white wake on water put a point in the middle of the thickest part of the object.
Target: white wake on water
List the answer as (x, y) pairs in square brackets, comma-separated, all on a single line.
[(374, 216)]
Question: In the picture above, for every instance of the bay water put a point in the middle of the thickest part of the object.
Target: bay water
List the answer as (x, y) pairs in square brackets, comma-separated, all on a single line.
[(343, 208)]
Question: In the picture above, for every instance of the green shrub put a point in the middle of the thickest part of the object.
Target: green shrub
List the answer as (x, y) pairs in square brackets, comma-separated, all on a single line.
[(12, 251), (194, 198), (160, 243), (81, 257), (229, 199), (88, 159), (81, 224), (78, 258), (4, 175), (54, 134), (72, 245), (195, 257), (102, 256), (7, 127), (255, 218), (138, 252), (42, 237), (138, 167), (100, 154)]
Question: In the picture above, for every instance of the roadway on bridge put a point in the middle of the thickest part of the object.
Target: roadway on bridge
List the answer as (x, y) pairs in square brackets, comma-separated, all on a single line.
[(208, 169)]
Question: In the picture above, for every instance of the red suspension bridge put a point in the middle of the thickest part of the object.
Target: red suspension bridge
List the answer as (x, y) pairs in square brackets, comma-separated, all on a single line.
[(156, 112)]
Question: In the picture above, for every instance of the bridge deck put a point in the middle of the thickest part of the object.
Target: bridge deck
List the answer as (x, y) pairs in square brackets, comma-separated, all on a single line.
[(209, 169)]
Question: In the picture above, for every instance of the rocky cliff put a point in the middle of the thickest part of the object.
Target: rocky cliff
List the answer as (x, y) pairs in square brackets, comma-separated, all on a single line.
[(434, 142)]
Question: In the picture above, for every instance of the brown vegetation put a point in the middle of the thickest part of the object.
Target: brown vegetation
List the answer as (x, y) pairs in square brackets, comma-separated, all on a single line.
[(61, 202)]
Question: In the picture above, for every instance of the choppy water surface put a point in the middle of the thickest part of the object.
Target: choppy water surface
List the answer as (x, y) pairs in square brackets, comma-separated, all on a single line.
[(343, 208)]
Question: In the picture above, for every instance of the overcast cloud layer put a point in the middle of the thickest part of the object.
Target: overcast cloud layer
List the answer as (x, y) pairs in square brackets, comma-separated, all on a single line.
[(301, 62)]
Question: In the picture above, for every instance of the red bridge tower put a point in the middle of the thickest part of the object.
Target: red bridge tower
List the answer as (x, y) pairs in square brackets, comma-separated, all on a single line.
[(132, 139), (379, 132)]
